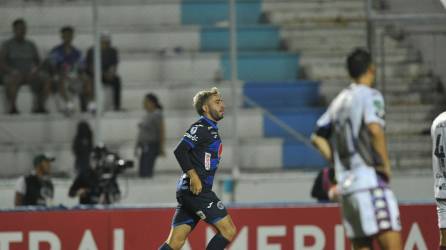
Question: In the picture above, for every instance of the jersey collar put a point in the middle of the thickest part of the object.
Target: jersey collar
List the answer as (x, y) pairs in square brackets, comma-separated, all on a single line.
[(212, 123)]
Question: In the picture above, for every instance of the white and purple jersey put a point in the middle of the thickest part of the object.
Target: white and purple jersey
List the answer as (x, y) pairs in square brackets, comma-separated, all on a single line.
[(438, 134)]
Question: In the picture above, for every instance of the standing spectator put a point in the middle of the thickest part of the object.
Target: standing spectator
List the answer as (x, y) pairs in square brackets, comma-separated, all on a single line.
[(19, 61), (82, 146), (65, 62), (110, 60), (36, 189), (150, 142)]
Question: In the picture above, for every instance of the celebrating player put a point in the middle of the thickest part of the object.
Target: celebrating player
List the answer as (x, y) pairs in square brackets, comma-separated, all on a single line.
[(198, 154), (351, 135)]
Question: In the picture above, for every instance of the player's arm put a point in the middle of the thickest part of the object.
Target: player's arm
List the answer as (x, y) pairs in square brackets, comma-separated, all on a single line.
[(374, 118), (182, 155), (380, 146), (193, 137), (321, 144), (321, 135)]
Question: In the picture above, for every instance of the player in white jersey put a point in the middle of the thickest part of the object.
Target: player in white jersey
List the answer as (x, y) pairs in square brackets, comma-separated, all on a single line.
[(350, 134), (438, 134)]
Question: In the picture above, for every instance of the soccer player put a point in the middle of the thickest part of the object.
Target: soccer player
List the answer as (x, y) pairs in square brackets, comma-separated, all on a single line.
[(351, 135), (198, 154), (438, 133)]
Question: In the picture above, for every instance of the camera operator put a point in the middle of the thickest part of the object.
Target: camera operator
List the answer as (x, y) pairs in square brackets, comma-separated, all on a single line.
[(98, 184)]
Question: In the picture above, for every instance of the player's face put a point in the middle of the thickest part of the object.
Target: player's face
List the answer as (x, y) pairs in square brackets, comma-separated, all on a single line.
[(215, 108)]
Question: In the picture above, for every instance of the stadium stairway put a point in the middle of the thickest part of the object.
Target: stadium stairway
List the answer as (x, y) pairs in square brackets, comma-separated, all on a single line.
[(169, 49), (323, 32)]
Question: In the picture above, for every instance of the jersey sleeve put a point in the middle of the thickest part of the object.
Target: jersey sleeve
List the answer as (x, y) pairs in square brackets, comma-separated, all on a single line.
[(20, 186), (374, 110), (196, 135), (323, 126)]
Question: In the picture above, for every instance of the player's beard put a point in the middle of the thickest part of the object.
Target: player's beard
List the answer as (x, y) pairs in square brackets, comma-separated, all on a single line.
[(216, 116)]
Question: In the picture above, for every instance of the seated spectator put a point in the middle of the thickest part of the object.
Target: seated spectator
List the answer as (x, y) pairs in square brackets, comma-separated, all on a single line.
[(64, 67), (110, 60), (19, 62), (36, 189)]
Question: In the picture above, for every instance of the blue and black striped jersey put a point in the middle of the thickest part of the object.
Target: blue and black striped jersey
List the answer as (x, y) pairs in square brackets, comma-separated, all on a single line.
[(204, 148)]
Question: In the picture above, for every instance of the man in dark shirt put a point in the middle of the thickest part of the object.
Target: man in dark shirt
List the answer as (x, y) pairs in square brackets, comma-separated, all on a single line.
[(110, 60), (199, 153), (64, 66), (36, 189), (19, 62)]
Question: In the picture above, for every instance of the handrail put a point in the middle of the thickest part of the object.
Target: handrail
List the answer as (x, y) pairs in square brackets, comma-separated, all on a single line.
[(294, 134)]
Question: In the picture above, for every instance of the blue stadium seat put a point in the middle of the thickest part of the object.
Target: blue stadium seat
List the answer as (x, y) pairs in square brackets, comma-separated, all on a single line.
[(210, 12), (248, 38)]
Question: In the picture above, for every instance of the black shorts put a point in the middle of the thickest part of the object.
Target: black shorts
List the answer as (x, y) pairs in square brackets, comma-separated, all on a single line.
[(193, 208)]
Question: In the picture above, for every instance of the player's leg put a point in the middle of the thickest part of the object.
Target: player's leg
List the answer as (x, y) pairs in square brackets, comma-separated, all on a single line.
[(389, 240), (389, 237), (177, 237), (183, 223), (362, 244), (441, 214), (443, 239), (226, 233)]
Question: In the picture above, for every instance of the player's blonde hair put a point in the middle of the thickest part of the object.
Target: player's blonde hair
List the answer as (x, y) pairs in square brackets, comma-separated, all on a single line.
[(202, 97)]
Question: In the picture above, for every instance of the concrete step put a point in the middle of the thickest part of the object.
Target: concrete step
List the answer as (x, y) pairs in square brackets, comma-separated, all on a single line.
[(80, 14), (410, 145), (408, 163), (126, 40), (280, 6), (320, 70), (395, 126), (262, 153), (115, 127), (173, 96)]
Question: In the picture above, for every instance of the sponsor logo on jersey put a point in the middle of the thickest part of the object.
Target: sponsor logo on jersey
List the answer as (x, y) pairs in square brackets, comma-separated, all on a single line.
[(207, 161), (192, 137)]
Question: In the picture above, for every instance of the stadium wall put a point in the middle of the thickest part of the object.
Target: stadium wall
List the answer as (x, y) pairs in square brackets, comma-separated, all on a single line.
[(265, 227)]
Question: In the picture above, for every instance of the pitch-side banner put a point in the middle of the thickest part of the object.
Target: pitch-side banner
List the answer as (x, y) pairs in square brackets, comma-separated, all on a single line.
[(262, 228)]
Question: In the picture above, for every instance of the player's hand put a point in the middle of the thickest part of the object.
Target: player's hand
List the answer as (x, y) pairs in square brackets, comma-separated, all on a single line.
[(195, 182)]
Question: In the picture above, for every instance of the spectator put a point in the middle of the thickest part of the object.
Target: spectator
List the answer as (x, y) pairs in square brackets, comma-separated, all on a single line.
[(36, 189), (65, 62), (323, 189), (82, 146), (110, 60), (19, 62), (150, 142)]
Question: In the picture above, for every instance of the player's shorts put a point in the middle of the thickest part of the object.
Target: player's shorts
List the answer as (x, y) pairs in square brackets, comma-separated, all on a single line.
[(370, 212), (193, 208), (441, 213)]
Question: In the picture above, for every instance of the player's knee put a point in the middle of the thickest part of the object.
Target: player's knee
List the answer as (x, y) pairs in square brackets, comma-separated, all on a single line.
[(176, 242)]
